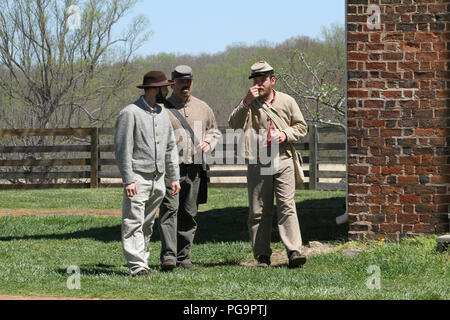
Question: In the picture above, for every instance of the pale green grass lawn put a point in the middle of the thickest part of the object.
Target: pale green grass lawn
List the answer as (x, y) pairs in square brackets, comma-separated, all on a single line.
[(35, 252)]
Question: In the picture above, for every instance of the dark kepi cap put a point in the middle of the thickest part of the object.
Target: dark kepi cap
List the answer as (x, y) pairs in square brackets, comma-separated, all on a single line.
[(154, 79), (182, 72), (261, 68)]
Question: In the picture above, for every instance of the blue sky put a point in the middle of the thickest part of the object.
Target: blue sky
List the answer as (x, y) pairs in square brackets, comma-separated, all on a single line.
[(209, 26)]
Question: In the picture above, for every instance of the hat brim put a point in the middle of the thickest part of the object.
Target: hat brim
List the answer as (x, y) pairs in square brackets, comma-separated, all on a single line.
[(156, 84), (183, 77), (259, 74)]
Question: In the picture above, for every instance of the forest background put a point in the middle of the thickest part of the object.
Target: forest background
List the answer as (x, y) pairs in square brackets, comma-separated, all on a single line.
[(56, 76)]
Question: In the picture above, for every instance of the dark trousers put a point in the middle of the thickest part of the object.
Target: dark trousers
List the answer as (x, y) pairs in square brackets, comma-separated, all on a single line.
[(177, 224)]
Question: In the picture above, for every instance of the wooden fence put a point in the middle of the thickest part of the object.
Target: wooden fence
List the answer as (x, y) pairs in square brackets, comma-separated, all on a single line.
[(92, 164)]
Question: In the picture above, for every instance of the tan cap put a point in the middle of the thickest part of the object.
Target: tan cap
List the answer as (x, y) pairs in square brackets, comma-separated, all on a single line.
[(260, 68)]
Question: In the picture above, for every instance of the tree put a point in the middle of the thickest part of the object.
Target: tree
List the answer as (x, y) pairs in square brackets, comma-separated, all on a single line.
[(62, 63), (52, 72), (317, 79)]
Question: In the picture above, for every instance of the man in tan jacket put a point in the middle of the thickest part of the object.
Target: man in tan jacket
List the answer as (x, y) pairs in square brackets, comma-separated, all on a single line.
[(177, 213), (250, 115)]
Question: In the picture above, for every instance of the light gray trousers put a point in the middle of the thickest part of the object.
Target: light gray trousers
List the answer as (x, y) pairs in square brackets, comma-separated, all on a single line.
[(138, 217)]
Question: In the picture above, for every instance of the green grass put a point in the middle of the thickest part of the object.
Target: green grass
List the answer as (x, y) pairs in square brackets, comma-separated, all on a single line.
[(111, 199), (62, 199), (35, 252)]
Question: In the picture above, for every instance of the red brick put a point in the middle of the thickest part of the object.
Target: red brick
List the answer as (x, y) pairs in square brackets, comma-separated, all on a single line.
[(424, 228), (378, 104), (374, 123), (357, 56), (392, 94), (427, 36), (358, 93), (407, 180), (441, 199), (389, 228), (410, 46), (408, 218), (409, 198), (393, 56), (391, 170), (426, 56), (393, 209), (424, 218)]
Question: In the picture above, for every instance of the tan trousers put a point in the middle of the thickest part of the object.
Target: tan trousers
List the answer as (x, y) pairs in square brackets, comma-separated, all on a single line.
[(138, 217), (261, 190)]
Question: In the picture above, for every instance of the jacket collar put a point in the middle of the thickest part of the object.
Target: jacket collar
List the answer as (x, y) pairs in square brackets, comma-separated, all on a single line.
[(141, 103)]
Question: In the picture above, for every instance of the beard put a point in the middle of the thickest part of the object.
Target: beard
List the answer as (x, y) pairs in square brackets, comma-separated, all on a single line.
[(264, 93), (160, 98)]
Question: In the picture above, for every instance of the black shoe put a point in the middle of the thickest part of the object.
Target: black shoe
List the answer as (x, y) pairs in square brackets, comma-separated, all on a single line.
[(186, 265), (263, 261), (168, 265), (296, 260)]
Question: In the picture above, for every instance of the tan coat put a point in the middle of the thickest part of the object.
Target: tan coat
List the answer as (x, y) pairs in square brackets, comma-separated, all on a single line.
[(253, 117), (263, 186), (200, 118)]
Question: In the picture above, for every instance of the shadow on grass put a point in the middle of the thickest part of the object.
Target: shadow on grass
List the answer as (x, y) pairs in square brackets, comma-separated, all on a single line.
[(98, 269), (230, 224), (104, 234)]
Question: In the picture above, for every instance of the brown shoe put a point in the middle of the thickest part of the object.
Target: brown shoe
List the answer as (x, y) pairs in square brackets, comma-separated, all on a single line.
[(296, 260), (168, 265), (263, 262), (186, 265)]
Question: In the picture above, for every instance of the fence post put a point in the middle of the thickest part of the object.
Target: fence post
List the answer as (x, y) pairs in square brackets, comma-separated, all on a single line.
[(313, 155), (94, 157)]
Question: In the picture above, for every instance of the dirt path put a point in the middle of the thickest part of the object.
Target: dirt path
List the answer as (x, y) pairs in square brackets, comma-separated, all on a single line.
[(18, 212), (279, 257), (6, 297)]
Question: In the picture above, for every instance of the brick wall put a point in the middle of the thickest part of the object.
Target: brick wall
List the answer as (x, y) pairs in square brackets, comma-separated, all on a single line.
[(398, 118)]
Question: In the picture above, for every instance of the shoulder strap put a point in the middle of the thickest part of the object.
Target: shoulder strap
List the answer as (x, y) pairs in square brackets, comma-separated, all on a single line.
[(277, 121), (183, 121)]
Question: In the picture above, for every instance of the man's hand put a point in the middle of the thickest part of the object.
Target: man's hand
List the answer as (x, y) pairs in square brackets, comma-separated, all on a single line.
[(204, 146), (175, 188), (278, 136), (252, 94), (131, 190)]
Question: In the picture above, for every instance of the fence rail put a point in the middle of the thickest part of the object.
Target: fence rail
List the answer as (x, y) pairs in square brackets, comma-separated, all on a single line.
[(92, 164)]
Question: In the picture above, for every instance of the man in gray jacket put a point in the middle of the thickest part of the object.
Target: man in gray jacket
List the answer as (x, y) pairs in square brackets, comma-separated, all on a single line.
[(145, 151)]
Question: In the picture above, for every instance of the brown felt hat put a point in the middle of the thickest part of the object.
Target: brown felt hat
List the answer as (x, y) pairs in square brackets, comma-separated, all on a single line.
[(154, 79)]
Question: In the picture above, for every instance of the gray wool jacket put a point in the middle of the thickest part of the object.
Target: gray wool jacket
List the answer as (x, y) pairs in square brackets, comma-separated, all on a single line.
[(145, 142)]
